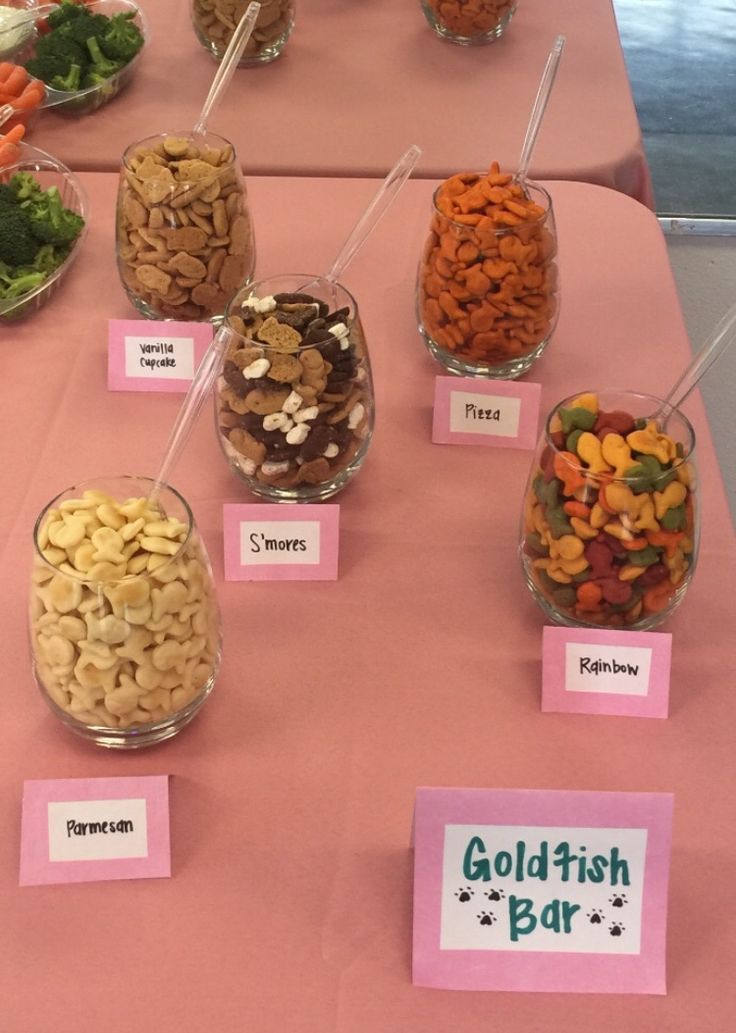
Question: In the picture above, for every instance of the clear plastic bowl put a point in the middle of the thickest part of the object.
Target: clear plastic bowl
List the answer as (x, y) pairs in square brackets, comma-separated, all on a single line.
[(85, 101), (49, 171)]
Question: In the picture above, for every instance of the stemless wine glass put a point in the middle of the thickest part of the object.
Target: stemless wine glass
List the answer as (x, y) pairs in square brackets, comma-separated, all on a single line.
[(487, 293), (469, 22), (185, 239), (215, 22), (294, 403), (610, 526), (124, 624)]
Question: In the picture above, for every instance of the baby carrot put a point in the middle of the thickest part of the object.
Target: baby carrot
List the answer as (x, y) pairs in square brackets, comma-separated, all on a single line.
[(9, 144)]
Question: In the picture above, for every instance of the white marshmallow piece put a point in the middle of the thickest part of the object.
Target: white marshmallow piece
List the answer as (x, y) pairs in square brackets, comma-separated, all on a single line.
[(267, 304), (272, 469), (257, 368), (298, 434), (277, 421), (341, 332), (292, 403), (331, 451), (310, 413), (355, 416)]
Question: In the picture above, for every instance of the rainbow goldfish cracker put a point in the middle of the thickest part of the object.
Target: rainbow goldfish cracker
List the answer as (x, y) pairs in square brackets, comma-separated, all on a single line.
[(613, 511)]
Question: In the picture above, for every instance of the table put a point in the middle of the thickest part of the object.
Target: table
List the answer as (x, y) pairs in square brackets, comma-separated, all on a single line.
[(359, 82), (290, 902)]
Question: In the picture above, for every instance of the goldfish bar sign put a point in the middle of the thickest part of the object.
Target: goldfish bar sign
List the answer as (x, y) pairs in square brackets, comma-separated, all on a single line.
[(541, 890)]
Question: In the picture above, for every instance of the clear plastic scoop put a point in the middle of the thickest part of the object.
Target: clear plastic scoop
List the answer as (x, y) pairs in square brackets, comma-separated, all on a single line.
[(229, 63), (208, 369), (540, 104), (370, 218), (720, 339)]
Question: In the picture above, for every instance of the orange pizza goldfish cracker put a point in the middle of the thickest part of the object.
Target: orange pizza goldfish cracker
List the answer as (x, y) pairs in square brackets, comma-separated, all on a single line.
[(487, 284)]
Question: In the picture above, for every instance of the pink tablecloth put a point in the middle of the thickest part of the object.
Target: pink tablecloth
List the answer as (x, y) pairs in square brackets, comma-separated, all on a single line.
[(289, 908), (360, 81)]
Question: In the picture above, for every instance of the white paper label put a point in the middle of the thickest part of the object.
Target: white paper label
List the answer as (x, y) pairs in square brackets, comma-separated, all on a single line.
[(617, 669), (530, 888), (171, 358), (279, 541), (97, 830), (484, 414)]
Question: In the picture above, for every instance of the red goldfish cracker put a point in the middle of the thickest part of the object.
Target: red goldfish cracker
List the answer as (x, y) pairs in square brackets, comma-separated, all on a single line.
[(487, 280), (470, 17)]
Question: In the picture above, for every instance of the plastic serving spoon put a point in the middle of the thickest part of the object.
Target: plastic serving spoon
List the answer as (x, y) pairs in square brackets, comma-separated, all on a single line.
[(540, 104), (370, 218), (719, 341), (209, 367), (229, 63)]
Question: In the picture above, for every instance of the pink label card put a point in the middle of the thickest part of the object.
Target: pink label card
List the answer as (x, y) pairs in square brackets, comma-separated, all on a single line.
[(485, 412), (524, 889), (269, 542), (591, 671), (149, 355), (94, 829)]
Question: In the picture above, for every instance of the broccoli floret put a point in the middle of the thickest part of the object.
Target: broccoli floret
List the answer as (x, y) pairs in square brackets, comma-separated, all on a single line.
[(25, 186), (69, 82), (67, 11), (55, 61), (59, 47), (101, 66), (50, 221), (7, 197), (123, 38), (88, 26), (15, 282), (49, 257), (47, 68), (18, 246)]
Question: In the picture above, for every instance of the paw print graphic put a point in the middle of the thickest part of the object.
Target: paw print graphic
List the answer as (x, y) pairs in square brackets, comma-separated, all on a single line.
[(464, 894), (595, 916), (618, 900), (495, 894), (616, 929), (486, 918)]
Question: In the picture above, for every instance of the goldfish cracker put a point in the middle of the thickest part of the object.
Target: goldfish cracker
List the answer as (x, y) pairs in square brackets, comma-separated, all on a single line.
[(468, 21), (489, 262), (184, 234), (105, 637), (628, 541), (215, 22)]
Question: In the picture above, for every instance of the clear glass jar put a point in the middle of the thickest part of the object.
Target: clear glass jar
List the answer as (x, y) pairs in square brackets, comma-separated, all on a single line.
[(610, 526), (184, 232), (124, 623), (294, 402), (469, 22), (215, 22), (488, 297)]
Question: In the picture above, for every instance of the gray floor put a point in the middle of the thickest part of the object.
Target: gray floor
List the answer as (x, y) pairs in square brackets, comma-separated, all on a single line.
[(681, 60)]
